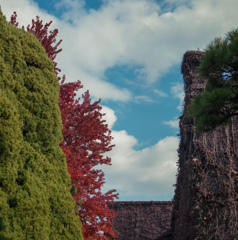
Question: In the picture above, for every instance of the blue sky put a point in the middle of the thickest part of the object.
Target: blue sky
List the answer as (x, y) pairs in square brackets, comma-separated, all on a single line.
[(128, 53)]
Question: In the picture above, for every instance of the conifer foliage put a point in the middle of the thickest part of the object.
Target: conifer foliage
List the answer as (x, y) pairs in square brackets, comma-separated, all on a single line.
[(219, 68), (86, 140), (35, 199)]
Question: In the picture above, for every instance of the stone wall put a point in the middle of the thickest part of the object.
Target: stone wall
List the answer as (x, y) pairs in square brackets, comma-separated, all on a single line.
[(142, 220), (205, 201)]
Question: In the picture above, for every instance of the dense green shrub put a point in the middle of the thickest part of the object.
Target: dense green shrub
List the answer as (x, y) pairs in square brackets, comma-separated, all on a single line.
[(35, 199)]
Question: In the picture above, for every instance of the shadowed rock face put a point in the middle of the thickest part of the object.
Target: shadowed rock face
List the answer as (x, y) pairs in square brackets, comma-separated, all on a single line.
[(205, 202), (142, 220)]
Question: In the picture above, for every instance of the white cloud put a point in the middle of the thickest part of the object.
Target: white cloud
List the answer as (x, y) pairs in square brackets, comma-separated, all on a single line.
[(138, 33), (144, 98), (26, 11), (178, 92), (109, 116), (133, 32), (150, 171), (99, 88), (73, 9), (172, 123), (160, 93)]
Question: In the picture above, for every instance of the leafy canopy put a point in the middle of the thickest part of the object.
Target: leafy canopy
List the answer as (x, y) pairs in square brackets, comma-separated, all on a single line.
[(219, 69)]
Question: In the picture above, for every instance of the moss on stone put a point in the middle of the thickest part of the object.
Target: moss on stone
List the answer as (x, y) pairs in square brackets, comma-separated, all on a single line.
[(35, 199)]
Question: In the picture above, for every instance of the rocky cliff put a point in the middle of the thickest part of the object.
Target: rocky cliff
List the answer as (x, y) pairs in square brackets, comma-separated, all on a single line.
[(205, 201)]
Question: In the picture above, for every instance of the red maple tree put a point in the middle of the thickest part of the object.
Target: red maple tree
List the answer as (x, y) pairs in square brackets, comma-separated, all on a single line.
[(86, 140)]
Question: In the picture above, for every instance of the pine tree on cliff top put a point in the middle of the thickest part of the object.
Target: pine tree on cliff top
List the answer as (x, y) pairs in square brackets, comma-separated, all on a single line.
[(219, 67), (35, 200)]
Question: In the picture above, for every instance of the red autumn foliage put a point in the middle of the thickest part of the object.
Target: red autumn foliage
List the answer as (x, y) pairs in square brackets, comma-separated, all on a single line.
[(86, 140), (13, 20)]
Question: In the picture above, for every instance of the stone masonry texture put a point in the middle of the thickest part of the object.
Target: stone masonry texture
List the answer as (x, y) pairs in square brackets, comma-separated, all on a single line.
[(142, 220)]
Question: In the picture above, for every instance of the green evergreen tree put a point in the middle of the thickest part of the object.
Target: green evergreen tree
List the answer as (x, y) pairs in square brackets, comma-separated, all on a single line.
[(35, 199), (219, 69)]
